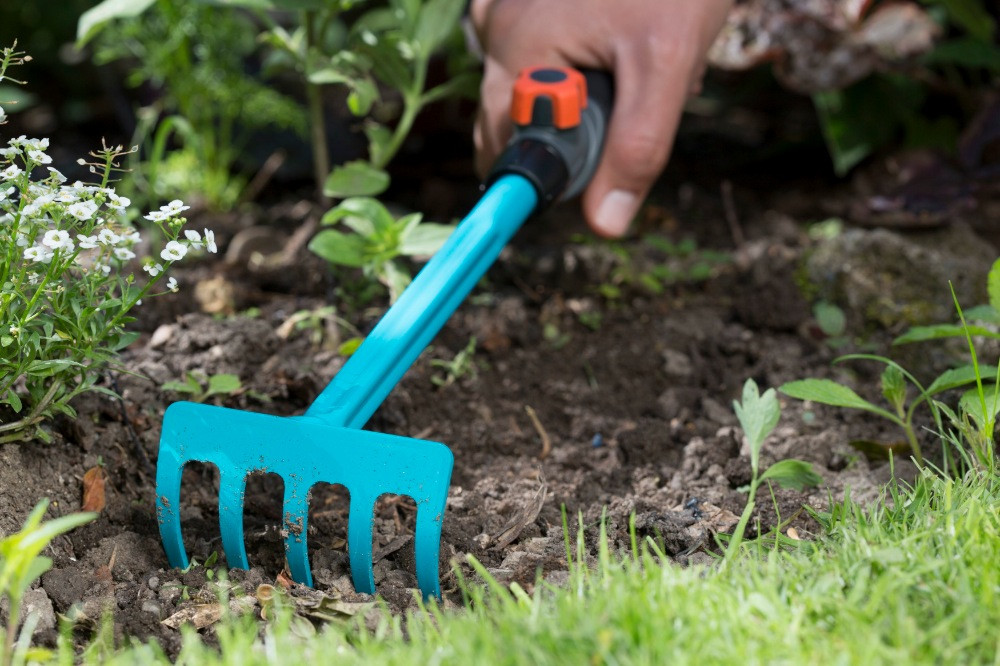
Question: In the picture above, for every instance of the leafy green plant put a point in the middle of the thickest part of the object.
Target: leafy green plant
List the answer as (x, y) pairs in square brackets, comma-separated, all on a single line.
[(381, 57), (21, 564), (67, 287), (463, 365), (195, 55), (200, 387), (758, 415), (379, 241)]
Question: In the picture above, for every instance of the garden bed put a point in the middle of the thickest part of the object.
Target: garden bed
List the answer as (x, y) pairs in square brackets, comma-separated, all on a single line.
[(603, 406)]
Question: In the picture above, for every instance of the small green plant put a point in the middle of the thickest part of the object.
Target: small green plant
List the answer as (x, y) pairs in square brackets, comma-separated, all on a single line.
[(323, 326), (200, 387), (379, 241), (67, 287), (976, 411), (758, 415), (463, 365), (195, 54), (21, 564)]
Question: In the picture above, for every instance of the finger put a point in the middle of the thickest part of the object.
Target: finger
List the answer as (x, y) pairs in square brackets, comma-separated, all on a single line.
[(652, 83)]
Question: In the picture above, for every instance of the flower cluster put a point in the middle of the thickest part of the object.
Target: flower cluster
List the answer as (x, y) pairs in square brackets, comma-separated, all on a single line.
[(67, 252)]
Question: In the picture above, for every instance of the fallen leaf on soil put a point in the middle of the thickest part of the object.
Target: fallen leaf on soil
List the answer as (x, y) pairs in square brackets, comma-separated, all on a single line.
[(310, 603), (93, 489), (199, 616), (284, 580), (524, 517)]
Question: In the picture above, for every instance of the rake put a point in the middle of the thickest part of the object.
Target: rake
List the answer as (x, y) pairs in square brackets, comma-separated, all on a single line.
[(556, 147)]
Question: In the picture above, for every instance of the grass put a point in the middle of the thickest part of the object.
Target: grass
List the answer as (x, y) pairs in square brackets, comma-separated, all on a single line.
[(911, 580)]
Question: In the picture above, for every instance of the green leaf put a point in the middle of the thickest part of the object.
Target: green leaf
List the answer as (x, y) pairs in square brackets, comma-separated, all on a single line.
[(6, 340), (972, 405), (894, 386), (758, 415), (939, 331), (223, 383), (958, 377), (425, 239), (972, 16), (110, 304), (340, 249), (286, 5), (14, 401), (993, 285), (435, 21), (367, 216), (363, 94), (792, 475), (124, 340), (357, 178), (830, 318), (348, 347), (92, 20), (829, 392), (395, 278)]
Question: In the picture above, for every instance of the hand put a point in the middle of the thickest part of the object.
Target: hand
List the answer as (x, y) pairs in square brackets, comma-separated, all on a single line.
[(656, 52)]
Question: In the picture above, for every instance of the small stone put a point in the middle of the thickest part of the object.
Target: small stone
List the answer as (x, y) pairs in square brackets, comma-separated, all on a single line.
[(676, 364), (152, 607), (153, 582), (161, 336)]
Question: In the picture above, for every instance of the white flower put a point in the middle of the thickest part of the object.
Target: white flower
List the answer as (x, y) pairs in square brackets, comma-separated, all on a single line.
[(156, 216), (104, 268), (194, 237), (33, 278), (174, 207), (153, 269), (14, 330), (118, 203), (3, 115), (6, 193), (11, 172), (82, 210), (87, 242), (22, 240), (124, 253), (210, 241), (57, 174), (173, 251), (108, 237), (66, 195), (133, 237), (172, 284), (38, 253), (57, 239), (39, 157)]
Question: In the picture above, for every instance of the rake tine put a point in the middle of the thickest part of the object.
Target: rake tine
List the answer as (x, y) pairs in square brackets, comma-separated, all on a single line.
[(295, 512), (231, 491), (427, 544), (359, 542), (168, 501)]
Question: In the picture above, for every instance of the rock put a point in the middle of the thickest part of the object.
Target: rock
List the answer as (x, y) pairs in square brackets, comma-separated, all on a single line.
[(37, 601), (884, 279)]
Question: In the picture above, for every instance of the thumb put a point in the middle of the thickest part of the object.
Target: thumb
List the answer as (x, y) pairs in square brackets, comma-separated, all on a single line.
[(648, 104)]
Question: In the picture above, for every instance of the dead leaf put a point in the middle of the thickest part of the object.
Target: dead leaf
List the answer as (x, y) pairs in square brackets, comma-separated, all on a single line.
[(198, 615), (793, 534), (93, 489), (284, 580), (526, 515)]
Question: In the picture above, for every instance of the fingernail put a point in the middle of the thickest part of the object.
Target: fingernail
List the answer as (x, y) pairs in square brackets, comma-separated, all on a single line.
[(616, 211)]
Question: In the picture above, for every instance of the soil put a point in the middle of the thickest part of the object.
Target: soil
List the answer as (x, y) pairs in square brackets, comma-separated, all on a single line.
[(582, 403)]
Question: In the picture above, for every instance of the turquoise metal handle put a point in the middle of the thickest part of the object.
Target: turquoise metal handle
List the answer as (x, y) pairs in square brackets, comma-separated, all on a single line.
[(424, 307)]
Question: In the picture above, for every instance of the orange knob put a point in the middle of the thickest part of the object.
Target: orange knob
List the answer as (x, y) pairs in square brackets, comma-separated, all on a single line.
[(549, 96)]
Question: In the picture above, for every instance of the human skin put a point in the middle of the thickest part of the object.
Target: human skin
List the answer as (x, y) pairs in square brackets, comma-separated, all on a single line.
[(654, 48)]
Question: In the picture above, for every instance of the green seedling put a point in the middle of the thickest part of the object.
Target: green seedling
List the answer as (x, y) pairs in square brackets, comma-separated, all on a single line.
[(378, 241), (199, 387), (323, 327), (977, 407), (758, 415), (463, 365), (21, 564)]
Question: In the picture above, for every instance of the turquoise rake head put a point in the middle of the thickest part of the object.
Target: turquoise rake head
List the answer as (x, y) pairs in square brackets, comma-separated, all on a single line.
[(326, 443)]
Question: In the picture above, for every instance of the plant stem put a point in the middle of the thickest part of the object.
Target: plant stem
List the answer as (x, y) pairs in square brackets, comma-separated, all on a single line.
[(317, 126), (35, 415)]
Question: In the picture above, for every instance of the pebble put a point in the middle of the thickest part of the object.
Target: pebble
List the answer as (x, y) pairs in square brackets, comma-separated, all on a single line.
[(151, 607), (153, 582)]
